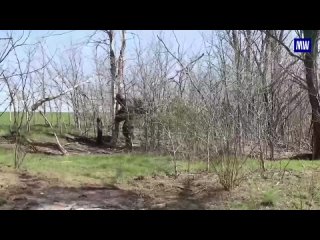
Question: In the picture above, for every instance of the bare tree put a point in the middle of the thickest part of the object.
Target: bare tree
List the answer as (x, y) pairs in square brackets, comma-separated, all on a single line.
[(311, 84)]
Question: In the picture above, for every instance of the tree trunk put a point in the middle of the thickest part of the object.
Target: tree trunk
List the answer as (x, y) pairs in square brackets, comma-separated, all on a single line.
[(310, 67), (99, 132), (113, 70), (117, 69)]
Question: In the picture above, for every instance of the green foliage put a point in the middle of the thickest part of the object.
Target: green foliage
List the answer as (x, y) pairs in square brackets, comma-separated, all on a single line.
[(182, 124), (270, 198), (231, 170)]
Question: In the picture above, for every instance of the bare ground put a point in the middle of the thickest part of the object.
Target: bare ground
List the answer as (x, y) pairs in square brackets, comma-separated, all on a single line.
[(24, 191), (20, 190)]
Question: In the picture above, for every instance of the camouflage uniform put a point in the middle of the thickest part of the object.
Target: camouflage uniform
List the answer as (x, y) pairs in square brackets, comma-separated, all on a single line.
[(126, 113)]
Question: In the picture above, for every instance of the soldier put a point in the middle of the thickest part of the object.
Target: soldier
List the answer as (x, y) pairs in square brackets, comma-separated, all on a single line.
[(126, 113)]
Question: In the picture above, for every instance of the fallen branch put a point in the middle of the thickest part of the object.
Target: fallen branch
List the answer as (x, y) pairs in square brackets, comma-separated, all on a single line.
[(61, 148), (42, 101)]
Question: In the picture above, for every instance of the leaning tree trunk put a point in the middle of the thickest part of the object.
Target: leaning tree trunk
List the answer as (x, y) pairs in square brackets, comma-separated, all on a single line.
[(310, 67)]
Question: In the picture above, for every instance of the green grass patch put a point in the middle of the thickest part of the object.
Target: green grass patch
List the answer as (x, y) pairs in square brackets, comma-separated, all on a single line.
[(105, 169), (270, 198), (38, 130), (37, 124), (123, 167), (289, 165), (37, 119), (92, 168), (295, 165)]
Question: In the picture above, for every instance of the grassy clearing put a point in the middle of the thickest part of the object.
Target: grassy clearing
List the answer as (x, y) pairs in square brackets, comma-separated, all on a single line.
[(38, 130), (37, 123), (296, 186), (121, 167), (96, 169), (37, 119), (288, 165)]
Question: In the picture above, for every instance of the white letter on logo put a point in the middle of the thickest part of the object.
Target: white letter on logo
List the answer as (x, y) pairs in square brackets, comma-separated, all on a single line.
[(306, 45)]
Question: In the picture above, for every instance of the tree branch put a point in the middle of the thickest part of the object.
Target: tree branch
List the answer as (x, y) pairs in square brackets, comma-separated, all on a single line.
[(282, 44), (41, 101)]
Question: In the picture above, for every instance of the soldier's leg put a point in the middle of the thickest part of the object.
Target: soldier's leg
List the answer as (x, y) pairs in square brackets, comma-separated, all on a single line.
[(120, 116), (127, 131), (115, 133)]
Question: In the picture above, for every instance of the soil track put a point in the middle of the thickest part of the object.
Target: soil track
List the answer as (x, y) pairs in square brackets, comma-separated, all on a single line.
[(26, 192), (22, 191)]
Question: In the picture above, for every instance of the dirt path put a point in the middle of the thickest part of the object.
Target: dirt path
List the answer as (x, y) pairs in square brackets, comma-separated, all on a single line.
[(187, 192), (23, 191)]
